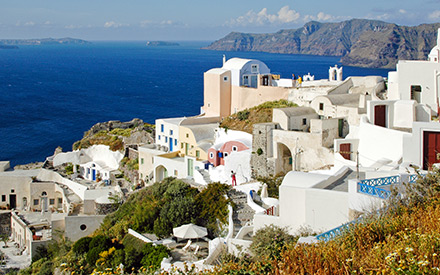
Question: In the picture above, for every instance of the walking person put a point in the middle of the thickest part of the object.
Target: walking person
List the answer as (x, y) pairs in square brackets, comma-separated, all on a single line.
[(234, 180)]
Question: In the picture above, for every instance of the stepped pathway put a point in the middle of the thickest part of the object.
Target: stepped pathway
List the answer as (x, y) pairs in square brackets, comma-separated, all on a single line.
[(243, 213), (205, 175)]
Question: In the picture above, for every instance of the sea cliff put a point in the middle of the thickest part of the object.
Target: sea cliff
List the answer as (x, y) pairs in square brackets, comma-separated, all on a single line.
[(359, 42)]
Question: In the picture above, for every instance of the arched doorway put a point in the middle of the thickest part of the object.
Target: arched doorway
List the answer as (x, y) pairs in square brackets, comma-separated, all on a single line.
[(285, 158), (161, 173)]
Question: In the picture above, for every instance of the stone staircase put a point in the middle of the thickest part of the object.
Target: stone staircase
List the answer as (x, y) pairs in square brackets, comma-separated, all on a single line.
[(243, 213), (205, 175)]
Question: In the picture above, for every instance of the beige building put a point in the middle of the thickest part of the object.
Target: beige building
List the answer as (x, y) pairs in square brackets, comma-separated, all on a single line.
[(240, 84)]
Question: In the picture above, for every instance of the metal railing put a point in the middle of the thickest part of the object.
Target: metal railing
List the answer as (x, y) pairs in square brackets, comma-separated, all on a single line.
[(381, 181), (374, 191), (328, 235)]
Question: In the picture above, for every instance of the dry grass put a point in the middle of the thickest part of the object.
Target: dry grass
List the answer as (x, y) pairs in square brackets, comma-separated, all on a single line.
[(244, 120)]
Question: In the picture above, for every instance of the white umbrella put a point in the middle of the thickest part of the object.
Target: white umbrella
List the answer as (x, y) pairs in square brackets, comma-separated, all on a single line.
[(190, 231)]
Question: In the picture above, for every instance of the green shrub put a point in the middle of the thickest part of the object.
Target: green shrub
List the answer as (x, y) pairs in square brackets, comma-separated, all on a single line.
[(82, 245), (243, 115), (270, 241), (93, 255), (153, 255)]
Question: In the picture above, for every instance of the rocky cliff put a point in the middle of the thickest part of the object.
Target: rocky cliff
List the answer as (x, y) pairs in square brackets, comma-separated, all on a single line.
[(359, 42)]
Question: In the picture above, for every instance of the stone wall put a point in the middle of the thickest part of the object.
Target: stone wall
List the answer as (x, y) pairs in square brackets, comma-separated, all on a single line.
[(262, 150), (5, 223)]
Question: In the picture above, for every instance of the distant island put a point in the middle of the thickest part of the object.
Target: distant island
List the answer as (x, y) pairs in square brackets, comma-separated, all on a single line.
[(359, 42), (161, 43), (42, 41)]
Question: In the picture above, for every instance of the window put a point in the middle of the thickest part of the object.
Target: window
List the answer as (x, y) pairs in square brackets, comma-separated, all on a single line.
[(225, 154), (83, 227), (171, 132), (152, 159), (3, 197), (321, 106), (175, 142), (197, 153), (176, 173), (162, 128), (416, 92), (51, 201), (211, 155), (245, 80), (60, 200), (225, 79), (44, 193), (158, 137), (12, 191), (187, 135), (142, 160), (142, 176), (36, 201), (181, 145), (254, 68), (304, 121), (234, 148), (166, 139)]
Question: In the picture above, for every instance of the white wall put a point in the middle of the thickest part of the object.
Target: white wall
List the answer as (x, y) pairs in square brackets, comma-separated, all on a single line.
[(73, 223), (47, 175), (413, 144), (168, 125), (376, 143)]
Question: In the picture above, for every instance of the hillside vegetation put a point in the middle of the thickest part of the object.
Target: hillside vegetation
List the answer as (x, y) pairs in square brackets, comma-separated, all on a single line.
[(403, 239), (115, 134), (244, 120), (156, 209), (360, 42)]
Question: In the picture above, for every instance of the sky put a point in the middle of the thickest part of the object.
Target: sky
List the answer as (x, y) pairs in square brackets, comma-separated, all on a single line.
[(178, 20)]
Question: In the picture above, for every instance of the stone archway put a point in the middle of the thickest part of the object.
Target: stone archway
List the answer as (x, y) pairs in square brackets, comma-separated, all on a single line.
[(285, 158)]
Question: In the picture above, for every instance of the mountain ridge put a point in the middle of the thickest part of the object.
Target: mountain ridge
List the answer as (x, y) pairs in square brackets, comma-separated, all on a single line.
[(359, 42)]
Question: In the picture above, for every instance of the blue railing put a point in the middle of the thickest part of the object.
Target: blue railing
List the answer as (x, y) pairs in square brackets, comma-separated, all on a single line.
[(412, 178), (328, 235), (373, 191), (381, 181)]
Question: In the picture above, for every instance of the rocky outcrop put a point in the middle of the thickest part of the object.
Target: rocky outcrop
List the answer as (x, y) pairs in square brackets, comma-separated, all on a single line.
[(113, 124), (359, 42)]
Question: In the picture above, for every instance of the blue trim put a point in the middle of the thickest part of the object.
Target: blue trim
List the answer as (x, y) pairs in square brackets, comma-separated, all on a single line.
[(381, 181), (331, 234), (373, 191)]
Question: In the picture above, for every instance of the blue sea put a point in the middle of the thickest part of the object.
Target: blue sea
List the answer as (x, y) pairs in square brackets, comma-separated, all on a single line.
[(51, 95)]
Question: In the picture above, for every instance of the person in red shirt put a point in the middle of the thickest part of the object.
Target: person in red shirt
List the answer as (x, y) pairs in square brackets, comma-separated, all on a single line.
[(234, 180)]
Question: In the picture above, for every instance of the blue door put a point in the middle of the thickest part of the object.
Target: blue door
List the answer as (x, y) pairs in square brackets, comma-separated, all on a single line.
[(171, 144), (93, 174)]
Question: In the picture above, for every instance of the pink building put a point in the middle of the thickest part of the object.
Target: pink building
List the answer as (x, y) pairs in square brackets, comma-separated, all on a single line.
[(218, 152)]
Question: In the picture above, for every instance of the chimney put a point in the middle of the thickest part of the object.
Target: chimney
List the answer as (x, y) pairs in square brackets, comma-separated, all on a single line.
[(224, 56)]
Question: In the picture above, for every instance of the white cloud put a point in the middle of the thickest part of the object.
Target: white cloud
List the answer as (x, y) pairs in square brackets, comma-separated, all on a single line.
[(283, 16), (402, 11), (167, 22), (323, 17), (435, 15), (113, 24), (145, 23), (163, 23)]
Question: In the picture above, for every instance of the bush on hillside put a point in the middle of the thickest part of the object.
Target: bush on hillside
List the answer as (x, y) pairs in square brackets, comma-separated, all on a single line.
[(81, 246), (269, 242)]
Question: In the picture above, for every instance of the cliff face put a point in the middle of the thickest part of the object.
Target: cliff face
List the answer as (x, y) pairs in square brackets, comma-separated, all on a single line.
[(359, 42)]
